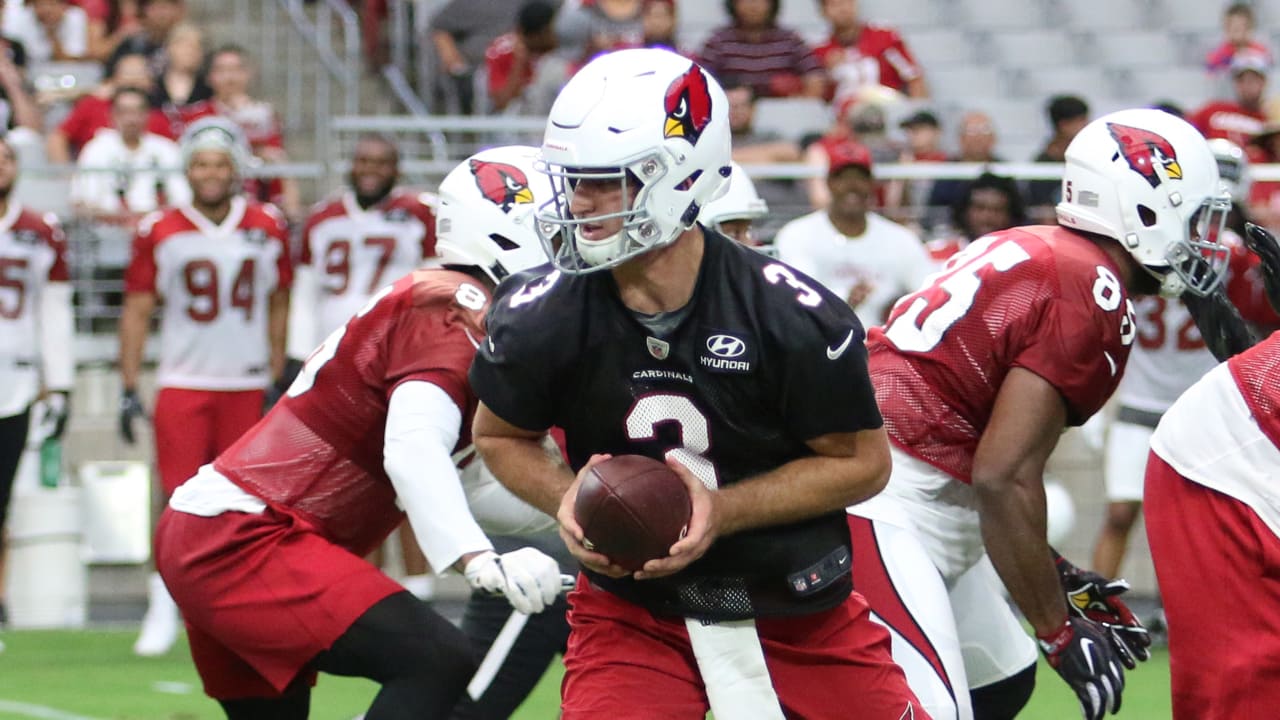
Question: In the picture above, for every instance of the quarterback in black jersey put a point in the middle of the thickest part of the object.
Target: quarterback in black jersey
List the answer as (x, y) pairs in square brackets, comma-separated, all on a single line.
[(653, 335)]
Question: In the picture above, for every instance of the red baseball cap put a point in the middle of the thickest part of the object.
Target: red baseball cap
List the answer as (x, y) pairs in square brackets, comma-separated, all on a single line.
[(847, 154)]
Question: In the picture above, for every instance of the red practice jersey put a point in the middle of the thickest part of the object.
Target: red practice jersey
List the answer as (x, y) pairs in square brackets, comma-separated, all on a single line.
[(318, 454), (1041, 298), (878, 57), (1257, 374)]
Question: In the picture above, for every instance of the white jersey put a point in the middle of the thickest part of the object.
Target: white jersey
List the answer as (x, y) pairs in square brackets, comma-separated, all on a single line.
[(1168, 357), (145, 178), (32, 262), (884, 263), (215, 282), (349, 253)]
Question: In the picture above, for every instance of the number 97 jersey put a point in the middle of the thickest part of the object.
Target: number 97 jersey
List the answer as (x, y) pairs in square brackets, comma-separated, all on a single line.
[(215, 281), (1040, 298)]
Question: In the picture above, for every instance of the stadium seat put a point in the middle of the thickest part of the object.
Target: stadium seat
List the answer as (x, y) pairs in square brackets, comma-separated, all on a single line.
[(1035, 48), (923, 14), (1016, 119), (1139, 48), (1190, 87), (1196, 15), (1084, 81), (792, 118), (941, 48), (962, 83), (1004, 14), (1107, 14)]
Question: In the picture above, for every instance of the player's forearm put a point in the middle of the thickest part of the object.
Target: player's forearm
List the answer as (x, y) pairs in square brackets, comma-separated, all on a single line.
[(1012, 517), (133, 336), (57, 329), (526, 468), (808, 487), (278, 330)]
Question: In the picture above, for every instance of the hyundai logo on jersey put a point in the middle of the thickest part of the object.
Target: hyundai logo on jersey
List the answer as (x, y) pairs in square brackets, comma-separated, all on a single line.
[(728, 353)]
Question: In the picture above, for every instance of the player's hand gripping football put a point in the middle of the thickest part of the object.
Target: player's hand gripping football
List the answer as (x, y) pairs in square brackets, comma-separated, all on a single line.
[(529, 578), (1092, 596), (130, 409), (1082, 655), (572, 533), (702, 528)]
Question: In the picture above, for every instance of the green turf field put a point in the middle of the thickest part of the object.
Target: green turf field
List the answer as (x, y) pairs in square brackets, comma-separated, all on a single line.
[(92, 675)]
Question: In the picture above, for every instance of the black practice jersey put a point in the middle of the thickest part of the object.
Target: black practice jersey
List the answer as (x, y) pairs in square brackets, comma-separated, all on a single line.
[(761, 360)]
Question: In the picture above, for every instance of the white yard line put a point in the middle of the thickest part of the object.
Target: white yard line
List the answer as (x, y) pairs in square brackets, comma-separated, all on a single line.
[(41, 712)]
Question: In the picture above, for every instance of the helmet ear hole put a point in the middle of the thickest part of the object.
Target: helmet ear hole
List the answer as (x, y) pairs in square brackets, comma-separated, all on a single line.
[(504, 242), (1146, 215)]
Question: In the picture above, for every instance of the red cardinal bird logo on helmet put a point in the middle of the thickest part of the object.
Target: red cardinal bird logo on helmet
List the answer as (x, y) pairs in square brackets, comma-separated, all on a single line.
[(505, 185), (688, 105), (1141, 148)]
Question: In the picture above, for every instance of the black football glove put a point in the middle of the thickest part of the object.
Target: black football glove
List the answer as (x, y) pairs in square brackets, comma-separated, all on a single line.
[(1225, 333), (1265, 246), (1087, 661), (53, 411), (130, 408), (1092, 596)]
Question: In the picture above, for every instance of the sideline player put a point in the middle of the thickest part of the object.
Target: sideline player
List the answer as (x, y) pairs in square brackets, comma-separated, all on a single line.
[(263, 549), (36, 361), (653, 335), (1022, 334), (220, 266), (352, 245), (734, 213)]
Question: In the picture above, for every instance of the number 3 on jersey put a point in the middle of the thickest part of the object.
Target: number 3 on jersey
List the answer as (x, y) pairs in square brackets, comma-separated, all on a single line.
[(927, 314)]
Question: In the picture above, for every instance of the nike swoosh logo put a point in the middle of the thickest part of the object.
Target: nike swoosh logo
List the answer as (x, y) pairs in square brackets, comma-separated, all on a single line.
[(836, 353), (1087, 646), (1110, 361)]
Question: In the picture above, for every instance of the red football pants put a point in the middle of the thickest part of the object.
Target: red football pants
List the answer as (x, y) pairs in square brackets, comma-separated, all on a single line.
[(623, 663), (193, 426), (1218, 566)]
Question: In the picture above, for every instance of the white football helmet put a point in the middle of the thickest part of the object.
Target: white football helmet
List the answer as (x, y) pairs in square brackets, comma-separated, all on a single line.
[(1148, 179), (1233, 168), (739, 202), (487, 209), (220, 134), (655, 121)]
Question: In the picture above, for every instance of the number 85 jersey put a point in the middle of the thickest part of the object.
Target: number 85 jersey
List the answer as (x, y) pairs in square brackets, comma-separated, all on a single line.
[(1041, 298), (215, 281)]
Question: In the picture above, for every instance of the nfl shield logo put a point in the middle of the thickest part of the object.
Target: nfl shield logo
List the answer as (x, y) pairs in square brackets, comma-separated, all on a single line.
[(658, 348)]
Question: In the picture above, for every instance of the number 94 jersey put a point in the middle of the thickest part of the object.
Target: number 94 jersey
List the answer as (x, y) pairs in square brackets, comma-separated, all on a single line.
[(215, 281), (1041, 298)]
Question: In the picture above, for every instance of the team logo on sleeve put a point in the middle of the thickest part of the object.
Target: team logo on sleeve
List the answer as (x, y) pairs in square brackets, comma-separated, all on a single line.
[(504, 185), (1142, 149), (688, 105)]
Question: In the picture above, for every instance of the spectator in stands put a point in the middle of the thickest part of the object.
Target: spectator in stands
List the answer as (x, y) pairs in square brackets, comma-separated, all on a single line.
[(862, 119), (110, 22), (658, 21), (182, 83), (751, 146), (1264, 195), (585, 30), (156, 19), (147, 168), (923, 144), (17, 106), (50, 30), (92, 112), (523, 75), (1238, 27), (859, 255), (230, 76), (859, 54), (753, 50), (993, 202), (461, 32), (977, 141), (1068, 114), (1239, 119)]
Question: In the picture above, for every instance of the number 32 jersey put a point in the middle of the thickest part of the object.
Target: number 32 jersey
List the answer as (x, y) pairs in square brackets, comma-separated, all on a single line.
[(215, 281), (760, 360), (1040, 298)]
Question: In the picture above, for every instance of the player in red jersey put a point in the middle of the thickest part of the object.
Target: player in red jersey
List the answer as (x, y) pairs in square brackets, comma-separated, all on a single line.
[(221, 268), (1022, 334), (263, 548)]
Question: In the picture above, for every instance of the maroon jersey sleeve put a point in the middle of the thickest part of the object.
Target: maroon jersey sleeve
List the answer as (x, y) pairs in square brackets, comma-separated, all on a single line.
[(278, 229), (51, 232), (435, 338), (1076, 341), (423, 207), (140, 276)]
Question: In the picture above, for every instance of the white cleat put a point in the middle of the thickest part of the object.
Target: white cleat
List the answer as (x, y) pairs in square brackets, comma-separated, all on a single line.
[(160, 625)]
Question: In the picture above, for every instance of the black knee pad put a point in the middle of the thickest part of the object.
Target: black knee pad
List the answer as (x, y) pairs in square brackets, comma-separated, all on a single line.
[(1004, 699), (294, 704), (400, 637)]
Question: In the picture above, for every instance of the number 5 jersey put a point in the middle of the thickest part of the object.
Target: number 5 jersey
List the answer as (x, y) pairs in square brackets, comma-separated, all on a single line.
[(215, 281)]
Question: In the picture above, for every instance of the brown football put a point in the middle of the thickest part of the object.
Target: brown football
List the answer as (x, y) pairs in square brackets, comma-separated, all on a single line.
[(632, 509)]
